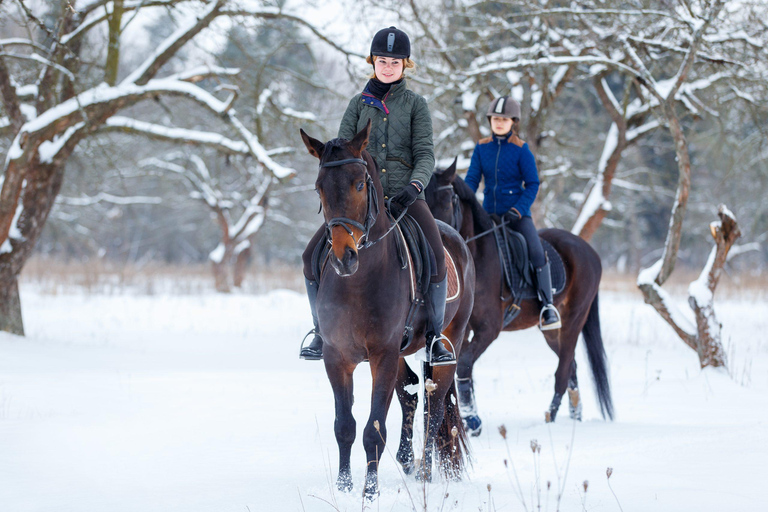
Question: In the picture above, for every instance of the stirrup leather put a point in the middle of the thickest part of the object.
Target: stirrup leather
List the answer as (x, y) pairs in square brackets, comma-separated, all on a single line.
[(437, 339), (550, 327)]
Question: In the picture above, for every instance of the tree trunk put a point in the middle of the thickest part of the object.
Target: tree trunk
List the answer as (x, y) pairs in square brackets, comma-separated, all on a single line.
[(10, 305), (36, 199), (705, 336), (241, 266), (701, 292), (221, 276)]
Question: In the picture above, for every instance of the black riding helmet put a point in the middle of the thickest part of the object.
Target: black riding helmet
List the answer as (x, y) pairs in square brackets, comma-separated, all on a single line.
[(391, 42)]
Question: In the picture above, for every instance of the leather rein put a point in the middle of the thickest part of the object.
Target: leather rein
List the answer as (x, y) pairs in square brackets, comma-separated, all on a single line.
[(458, 215)]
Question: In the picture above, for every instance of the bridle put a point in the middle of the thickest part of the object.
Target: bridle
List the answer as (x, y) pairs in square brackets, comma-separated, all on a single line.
[(372, 208), (457, 212), (371, 213)]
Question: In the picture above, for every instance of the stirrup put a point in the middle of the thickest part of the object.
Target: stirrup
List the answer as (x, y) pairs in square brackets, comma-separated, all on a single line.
[(553, 326), (312, 333), (437, 339)]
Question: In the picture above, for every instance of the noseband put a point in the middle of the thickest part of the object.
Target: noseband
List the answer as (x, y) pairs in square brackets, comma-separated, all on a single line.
[(372, 209)]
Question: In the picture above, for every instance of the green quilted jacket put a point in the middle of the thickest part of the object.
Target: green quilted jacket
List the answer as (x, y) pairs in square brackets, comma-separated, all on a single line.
[(401, 135)]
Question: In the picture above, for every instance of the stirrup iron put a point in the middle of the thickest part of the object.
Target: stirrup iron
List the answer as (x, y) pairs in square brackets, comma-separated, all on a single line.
[(311, 334), (437, 339), (550, 327)]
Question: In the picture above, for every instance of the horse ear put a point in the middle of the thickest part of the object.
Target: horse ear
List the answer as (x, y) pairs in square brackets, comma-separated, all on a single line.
[(360, 141), (314, 146), (450, 172)]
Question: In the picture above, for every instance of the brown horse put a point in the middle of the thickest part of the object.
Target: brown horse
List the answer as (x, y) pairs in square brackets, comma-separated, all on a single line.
[(363, 302), (452, 201)]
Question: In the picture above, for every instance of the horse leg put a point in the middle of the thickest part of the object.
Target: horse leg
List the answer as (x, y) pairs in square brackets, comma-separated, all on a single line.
[(384, 372), (340, 376), (470, 352), (408, 396), (573, 394), (446, 435), (425, 471), (563, 342)]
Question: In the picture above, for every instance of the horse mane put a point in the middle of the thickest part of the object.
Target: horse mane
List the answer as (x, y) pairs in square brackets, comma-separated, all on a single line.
[(483, 221), (331, 145)]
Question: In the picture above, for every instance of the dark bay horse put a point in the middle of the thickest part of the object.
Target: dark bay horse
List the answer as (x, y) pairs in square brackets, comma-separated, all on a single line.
[(452, 201), (363, 302)]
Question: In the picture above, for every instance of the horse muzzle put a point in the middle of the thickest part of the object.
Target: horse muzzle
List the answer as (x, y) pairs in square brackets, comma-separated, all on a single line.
[(347, 264)]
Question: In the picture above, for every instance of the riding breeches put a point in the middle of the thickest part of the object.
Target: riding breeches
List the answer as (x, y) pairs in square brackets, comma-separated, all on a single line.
[(420, 212), (525, 227)]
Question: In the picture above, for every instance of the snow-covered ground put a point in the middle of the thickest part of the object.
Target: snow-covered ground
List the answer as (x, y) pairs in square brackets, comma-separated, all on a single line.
[(199, 403)]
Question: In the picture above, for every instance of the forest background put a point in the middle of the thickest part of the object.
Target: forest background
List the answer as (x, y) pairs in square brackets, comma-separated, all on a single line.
[(644, 116)]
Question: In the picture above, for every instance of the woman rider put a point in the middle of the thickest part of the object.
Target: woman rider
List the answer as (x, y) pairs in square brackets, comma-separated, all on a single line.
[(508, 167), (401, 145)]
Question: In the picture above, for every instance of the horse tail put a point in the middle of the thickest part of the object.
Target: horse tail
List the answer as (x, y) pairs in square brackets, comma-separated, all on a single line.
[(452, 442), (597, 359)]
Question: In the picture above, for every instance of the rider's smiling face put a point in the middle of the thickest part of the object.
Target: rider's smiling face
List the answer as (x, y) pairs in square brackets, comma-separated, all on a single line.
[(387, 69)]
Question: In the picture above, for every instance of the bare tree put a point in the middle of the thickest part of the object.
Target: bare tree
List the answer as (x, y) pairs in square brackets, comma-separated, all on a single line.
[(50, 116), (240, 209)]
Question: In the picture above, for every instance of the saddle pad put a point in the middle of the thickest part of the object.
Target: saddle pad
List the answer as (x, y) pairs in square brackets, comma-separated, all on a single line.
[(556, 267), (451, 273)]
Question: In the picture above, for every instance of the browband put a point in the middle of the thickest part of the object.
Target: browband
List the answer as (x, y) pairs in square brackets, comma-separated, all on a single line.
[(337, 163)]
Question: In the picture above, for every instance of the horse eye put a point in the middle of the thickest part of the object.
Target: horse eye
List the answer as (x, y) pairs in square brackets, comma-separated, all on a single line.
[(360, 186), (317, 191)]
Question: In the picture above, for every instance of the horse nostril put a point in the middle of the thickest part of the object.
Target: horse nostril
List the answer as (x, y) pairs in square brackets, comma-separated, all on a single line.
[(350, 256)]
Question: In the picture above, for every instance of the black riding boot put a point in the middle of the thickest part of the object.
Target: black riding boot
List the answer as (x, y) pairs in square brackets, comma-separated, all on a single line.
[(549, 318), (437, 354), (313, 351)]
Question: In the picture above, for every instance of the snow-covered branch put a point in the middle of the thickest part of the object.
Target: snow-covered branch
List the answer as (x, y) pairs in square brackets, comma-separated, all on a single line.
[(178, 135), (92, 15), (269, 13), (103, 197), (168, 48), (199, 73)]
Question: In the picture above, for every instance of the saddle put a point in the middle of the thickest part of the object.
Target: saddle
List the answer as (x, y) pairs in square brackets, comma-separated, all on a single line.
[(415, 254), (518, 272)]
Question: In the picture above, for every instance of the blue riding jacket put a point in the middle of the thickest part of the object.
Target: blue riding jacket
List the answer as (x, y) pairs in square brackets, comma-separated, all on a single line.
[(509, 170)]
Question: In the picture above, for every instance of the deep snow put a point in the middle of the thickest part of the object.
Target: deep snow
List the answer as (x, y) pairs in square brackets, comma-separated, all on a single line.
[(199, 403)]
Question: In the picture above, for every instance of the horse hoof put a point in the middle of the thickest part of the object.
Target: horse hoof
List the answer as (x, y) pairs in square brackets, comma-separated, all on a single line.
[(406, 461), (574, 404), (344, 483), (473, 425), (371, 487)]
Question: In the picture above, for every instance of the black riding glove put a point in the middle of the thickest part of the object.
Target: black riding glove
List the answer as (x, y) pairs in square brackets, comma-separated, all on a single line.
[(404, 199)]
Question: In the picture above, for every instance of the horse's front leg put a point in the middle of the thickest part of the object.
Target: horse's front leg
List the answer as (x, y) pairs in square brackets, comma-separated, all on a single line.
[(340, 376), (384, 368), (408, 395)]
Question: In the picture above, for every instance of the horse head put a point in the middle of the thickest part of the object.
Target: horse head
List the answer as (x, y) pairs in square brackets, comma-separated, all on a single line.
[(348, 195), (441, 196)]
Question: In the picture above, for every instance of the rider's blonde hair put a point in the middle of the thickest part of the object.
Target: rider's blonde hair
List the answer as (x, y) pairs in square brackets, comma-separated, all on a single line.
[(408, 63)]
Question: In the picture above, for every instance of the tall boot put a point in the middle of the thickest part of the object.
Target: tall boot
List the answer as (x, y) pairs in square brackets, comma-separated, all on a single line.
[(313, 351), (549, 318), (437, 354)]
